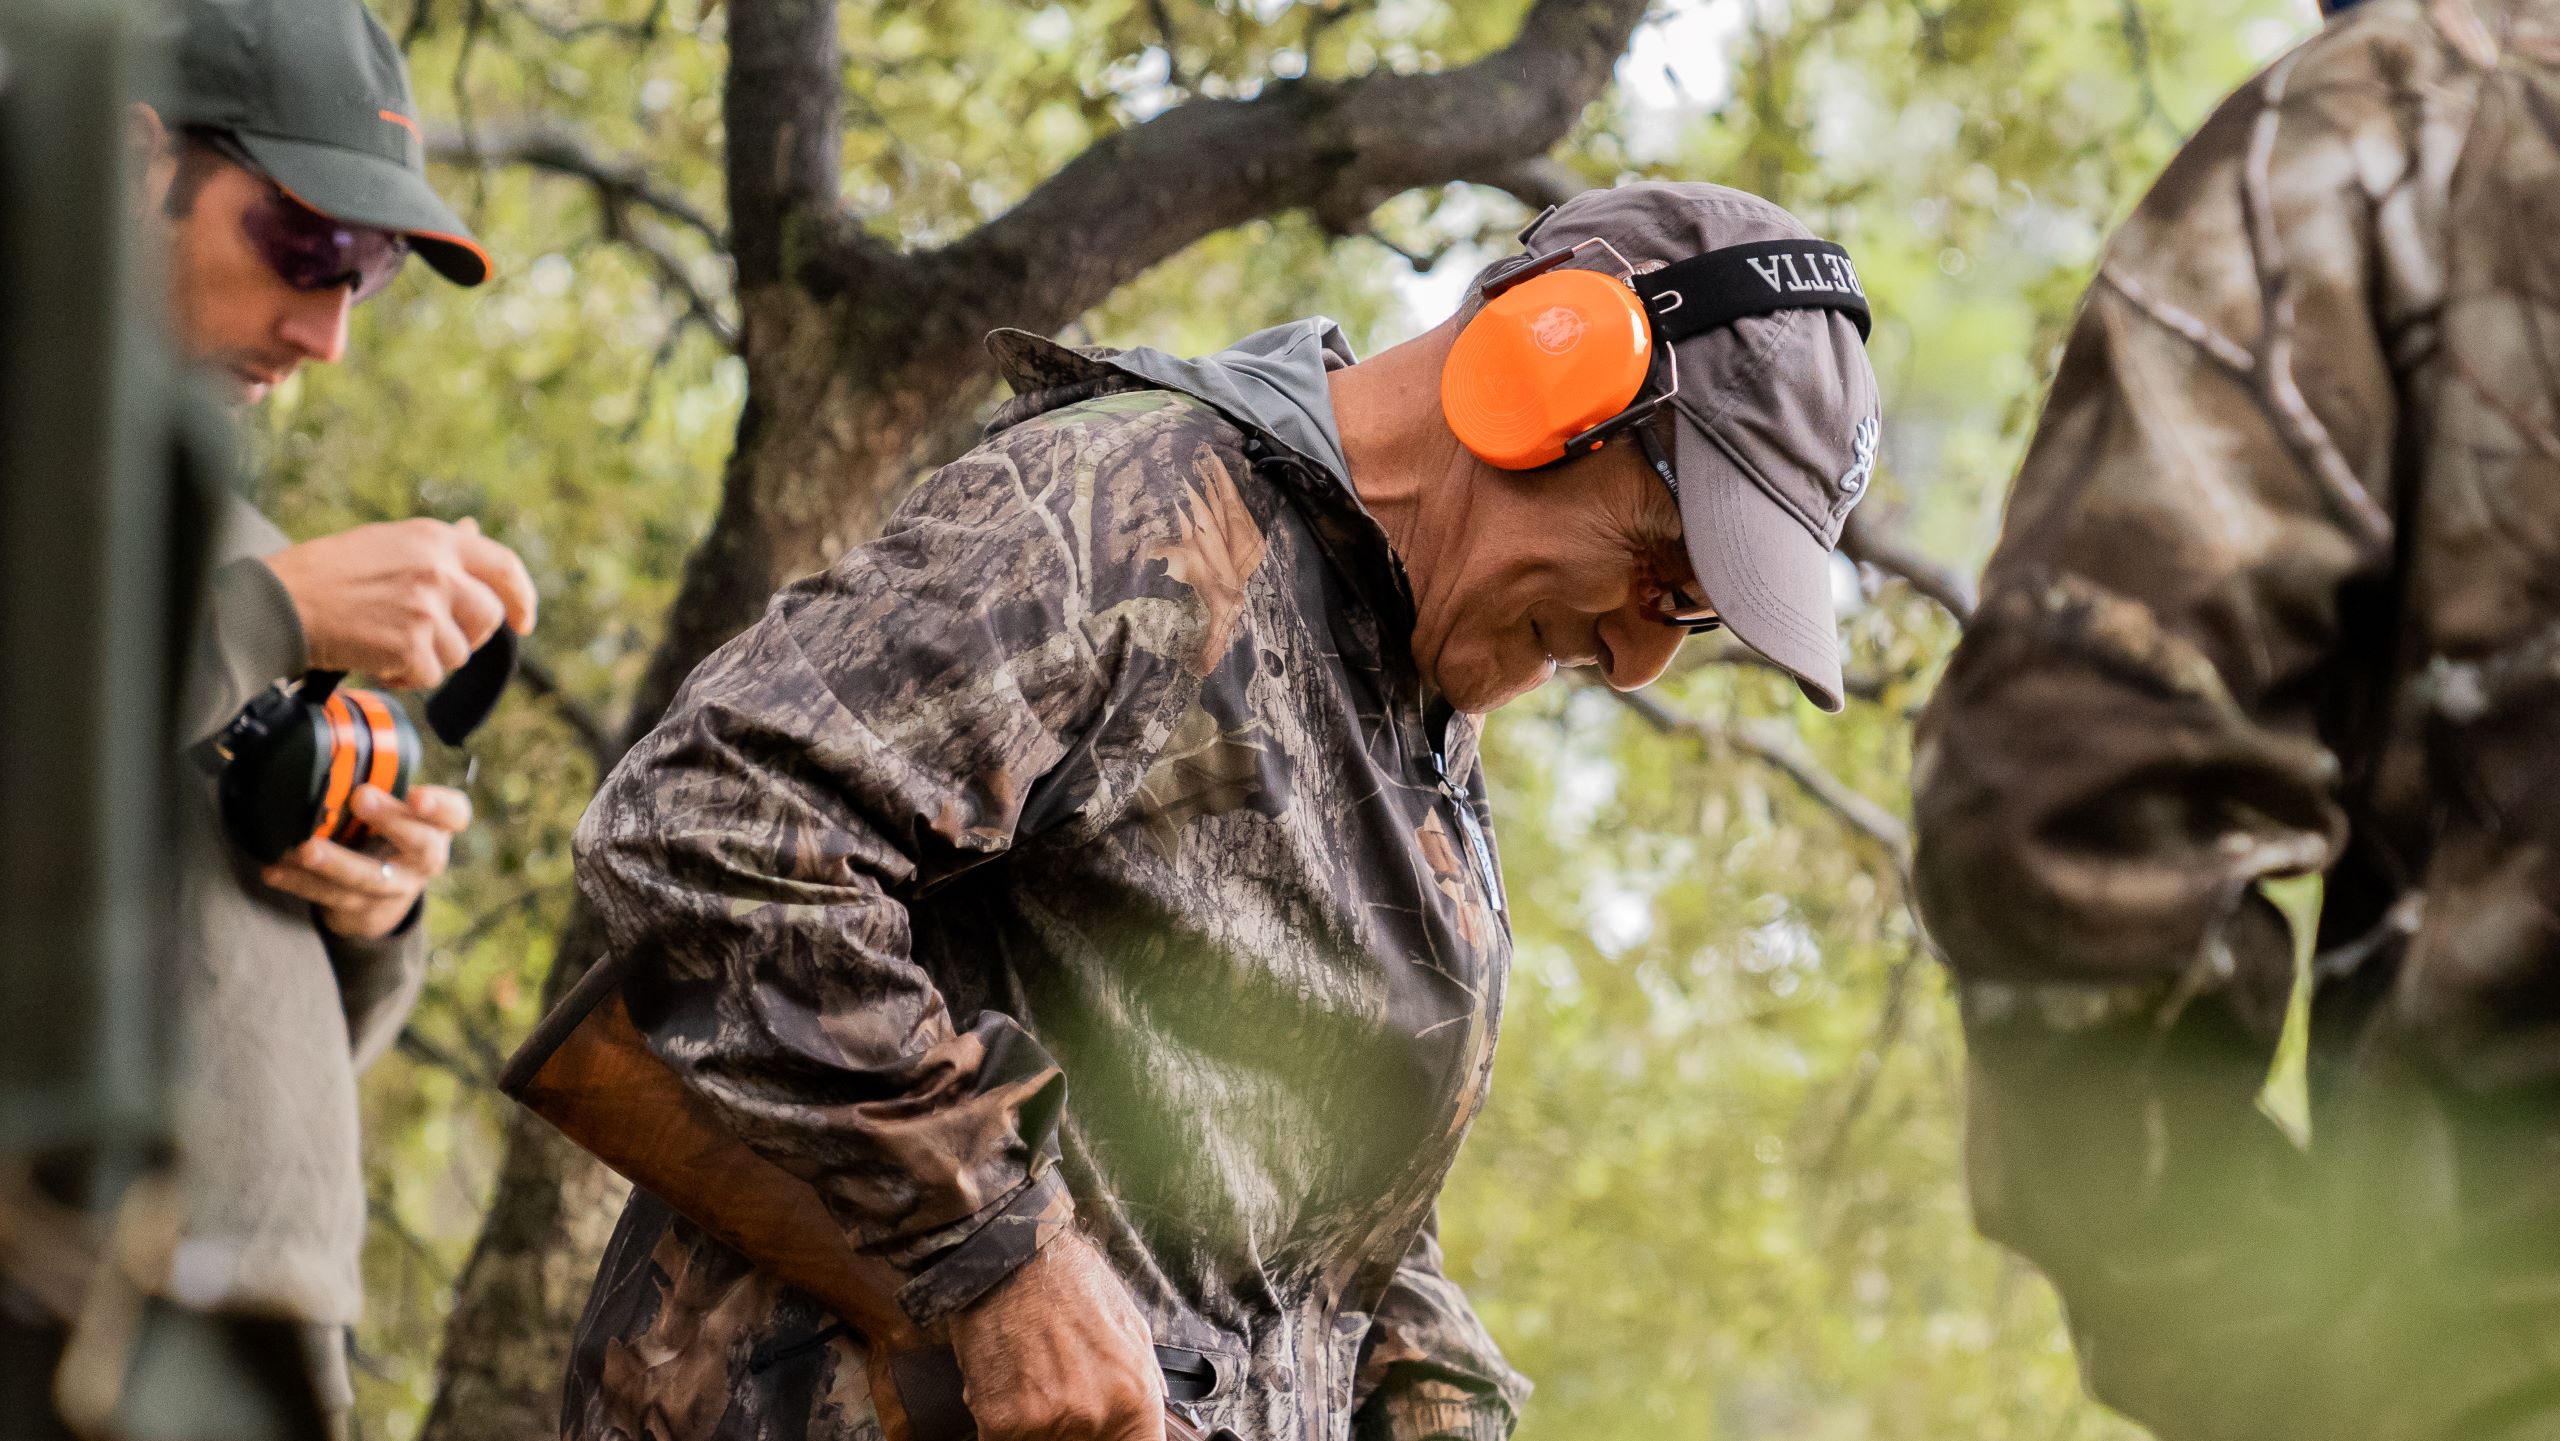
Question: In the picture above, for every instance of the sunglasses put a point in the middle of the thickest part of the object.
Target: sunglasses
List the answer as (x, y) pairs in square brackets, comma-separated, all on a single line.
[(1674, 605), (307, 250)]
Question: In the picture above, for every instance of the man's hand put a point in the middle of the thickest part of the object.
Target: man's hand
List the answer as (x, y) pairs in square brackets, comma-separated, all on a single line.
[(364, 896), (406, 601), (1057, 1352)]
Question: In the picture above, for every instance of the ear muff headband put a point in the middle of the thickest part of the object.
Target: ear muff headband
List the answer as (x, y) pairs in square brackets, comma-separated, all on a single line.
[(1708, 292), (1555, 360)]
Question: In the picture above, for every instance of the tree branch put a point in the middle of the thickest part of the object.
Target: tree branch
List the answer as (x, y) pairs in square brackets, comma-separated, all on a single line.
[(1775, 746), (2136, 27), (1868, 543), (562, 151), (417, 1046), (620, 186), (700, 306), (1537, 182), (1173, 71), (1856, 685), (1339, 148), (640, 31), (490, 919), (1824, 1174)]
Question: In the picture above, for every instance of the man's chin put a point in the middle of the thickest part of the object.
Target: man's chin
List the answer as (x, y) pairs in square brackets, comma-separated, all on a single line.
[(240, 386), (1481, 692)]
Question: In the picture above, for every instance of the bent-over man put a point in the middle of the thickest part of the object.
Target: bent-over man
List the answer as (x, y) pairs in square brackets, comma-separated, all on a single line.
[(1089, 887)]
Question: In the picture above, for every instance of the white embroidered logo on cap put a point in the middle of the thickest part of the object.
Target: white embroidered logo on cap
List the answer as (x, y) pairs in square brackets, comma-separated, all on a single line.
[(1557, 329), (1862, 456)]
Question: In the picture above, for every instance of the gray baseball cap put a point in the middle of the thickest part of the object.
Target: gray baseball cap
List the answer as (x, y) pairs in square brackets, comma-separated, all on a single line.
[(316, 93), (1777, 416)]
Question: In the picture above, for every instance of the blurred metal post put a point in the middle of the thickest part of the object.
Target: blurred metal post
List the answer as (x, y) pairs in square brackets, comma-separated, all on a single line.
[(86, 603), (102, 513)]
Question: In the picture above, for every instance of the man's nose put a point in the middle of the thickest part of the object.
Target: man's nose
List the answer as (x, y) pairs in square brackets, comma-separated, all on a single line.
[(1639, 648), (316, 323)]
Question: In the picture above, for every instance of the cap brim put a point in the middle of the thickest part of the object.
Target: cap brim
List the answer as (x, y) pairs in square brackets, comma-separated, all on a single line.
[(1766, 575), (366, 189)]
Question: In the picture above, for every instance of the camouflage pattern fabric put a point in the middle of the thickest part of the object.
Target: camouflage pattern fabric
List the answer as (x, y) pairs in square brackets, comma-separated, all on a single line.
[(1085, 851), (2279, 593)]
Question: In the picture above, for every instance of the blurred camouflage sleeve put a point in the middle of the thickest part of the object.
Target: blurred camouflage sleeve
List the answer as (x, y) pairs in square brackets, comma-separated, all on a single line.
[(1004, 654), (2130, 738), (1428, 1370)]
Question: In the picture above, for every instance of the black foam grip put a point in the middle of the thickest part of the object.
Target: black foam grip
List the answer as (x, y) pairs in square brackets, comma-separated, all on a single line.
[(469, 694)]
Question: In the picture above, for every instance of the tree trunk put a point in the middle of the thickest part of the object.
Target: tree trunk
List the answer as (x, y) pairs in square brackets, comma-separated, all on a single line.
[(516, 1303), (865, 369)]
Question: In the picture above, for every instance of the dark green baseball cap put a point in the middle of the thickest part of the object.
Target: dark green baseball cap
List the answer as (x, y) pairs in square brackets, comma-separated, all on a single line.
[(316, 93)]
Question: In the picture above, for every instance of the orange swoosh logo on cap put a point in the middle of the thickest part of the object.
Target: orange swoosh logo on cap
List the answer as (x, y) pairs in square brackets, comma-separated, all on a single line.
[(404, 122)]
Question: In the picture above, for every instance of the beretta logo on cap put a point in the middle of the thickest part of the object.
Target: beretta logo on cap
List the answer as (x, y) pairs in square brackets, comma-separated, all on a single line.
[(1789, 271)]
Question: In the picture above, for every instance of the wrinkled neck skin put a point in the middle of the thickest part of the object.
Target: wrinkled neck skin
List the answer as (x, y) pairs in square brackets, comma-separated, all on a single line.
[(1406, 465)]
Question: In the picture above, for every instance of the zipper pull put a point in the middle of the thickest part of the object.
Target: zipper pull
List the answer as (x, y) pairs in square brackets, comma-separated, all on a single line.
[(1476, 844)]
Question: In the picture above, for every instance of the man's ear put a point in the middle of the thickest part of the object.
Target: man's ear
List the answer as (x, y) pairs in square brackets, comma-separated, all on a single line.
[(152, 155)]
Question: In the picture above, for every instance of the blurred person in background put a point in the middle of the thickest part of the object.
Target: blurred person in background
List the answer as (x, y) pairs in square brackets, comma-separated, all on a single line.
[(1089, 887), (2276, 597), (285, 182)]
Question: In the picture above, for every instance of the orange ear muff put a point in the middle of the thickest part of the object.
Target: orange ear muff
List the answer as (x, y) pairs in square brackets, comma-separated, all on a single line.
[(1543, 362)]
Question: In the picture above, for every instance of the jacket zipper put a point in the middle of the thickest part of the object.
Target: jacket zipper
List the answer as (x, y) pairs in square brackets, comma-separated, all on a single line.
[(1488, 875)]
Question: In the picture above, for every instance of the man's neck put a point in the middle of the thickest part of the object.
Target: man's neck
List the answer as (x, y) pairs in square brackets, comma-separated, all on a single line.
[(1406, 466)]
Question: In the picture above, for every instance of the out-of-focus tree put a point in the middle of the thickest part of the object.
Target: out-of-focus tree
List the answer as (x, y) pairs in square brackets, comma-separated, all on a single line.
[(746, 250)]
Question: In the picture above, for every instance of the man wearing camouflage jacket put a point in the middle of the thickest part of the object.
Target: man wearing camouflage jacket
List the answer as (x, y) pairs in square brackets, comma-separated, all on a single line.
[(1089, 885), (2279, 594)]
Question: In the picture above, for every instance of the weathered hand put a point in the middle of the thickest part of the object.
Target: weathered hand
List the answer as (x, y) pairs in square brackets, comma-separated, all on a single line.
[(1057, 1352), (405, 601), (364, 896)]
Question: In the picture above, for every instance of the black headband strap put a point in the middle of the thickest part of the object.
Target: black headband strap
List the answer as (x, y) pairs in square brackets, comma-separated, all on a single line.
[(1710, 291)]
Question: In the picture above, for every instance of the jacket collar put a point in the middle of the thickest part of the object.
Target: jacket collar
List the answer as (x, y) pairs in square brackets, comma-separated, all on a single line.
[(1271, 383)]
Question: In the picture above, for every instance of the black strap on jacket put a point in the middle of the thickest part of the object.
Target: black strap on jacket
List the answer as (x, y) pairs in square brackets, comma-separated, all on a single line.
[(1707, 292)]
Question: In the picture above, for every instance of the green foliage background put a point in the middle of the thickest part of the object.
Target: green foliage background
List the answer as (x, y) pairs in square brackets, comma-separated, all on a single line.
[(1716, 1192)]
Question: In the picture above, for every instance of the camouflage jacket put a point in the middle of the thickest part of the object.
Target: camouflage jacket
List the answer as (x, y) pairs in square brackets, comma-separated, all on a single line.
[(1088, 850), (2279, 593)]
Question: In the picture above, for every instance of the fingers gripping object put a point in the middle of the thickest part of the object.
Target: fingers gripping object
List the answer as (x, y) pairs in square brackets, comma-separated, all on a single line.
[(290, 763), (1552, 366)]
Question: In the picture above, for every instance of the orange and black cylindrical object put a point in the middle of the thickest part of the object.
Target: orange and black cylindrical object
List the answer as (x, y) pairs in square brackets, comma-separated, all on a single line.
[(291, 762), (294, 760)]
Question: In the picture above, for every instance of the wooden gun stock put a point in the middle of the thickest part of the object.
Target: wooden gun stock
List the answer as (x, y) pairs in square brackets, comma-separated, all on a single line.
[(588, 1072)]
